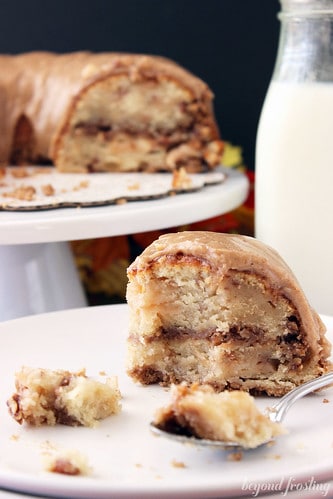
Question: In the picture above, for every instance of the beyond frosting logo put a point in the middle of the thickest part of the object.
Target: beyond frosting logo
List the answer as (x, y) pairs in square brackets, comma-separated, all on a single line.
[(286, 485)]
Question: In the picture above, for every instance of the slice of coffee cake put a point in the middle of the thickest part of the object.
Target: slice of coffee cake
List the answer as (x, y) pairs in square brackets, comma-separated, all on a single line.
[(223, 310)]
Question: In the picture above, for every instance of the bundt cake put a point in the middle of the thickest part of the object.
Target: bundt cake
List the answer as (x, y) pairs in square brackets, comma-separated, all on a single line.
[(223, 310), (87, 112)]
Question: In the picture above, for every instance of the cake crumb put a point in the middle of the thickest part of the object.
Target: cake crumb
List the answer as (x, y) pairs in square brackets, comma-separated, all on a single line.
[(20, 172), (67, 463), (326, 401), (50, 397), (178, 464), (48, 190), (235, 456), (133, 187), (82, 185), (23, 193), (181, 179)]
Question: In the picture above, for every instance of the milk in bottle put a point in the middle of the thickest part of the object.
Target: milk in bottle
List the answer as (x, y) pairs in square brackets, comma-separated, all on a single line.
[(294, 150)]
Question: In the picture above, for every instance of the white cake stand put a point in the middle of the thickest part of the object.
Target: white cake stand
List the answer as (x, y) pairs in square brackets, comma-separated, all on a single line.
[(37, 270)]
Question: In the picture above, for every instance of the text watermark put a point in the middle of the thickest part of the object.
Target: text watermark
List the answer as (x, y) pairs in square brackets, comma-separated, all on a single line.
[(286, 485)]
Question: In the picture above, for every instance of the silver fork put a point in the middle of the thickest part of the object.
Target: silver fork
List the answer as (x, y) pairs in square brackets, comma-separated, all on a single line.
[(276, 413)]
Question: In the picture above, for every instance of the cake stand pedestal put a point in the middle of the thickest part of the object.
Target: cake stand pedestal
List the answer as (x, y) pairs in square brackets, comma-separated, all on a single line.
[(37, 278), (37, 270)]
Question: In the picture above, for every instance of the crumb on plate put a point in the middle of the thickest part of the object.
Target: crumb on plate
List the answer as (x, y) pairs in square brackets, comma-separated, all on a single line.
[(49, 397), (70, 462)]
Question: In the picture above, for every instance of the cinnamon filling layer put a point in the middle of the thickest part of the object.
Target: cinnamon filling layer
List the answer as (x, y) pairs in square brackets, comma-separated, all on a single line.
[(236, 333), (164, 139), (240, 346)]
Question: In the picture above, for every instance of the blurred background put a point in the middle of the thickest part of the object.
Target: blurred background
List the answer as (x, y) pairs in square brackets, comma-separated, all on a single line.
[(231, 44)]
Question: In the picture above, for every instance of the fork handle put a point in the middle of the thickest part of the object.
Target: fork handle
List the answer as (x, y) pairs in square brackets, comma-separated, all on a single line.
[(279, 410)]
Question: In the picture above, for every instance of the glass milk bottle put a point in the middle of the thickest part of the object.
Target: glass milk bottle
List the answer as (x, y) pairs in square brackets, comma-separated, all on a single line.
[(294, 150)]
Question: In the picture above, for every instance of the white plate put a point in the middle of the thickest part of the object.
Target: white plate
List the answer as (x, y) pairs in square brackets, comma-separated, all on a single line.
[(126, 459)]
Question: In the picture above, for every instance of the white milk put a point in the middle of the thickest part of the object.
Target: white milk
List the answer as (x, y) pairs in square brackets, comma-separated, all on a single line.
[(294, 183)]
